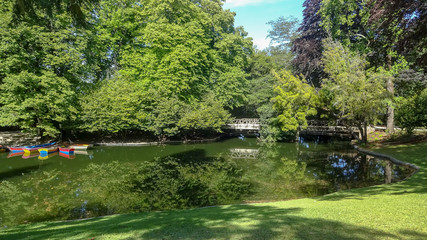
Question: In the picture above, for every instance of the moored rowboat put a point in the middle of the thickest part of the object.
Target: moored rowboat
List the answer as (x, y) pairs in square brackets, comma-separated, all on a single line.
[(70, 156), (68, 150), (47, 150), (80, 146), (14, 154), (29, 149)]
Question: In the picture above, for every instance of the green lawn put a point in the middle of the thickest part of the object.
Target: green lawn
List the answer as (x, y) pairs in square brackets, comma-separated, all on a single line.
[(395, 211)]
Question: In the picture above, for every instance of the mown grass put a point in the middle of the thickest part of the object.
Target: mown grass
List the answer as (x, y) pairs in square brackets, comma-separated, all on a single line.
[(394, 211)]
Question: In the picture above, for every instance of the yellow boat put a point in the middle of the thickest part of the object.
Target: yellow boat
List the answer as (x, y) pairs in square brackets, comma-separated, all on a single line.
[(48, 150), (46, 156)]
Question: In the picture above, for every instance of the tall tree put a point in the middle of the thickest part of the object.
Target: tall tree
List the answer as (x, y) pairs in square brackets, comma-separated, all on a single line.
[(40, 71), (75, 8), (357, 96), (295, 100), (399, 28), (308, 46), (348, 22), (178, 55), (283, 32), (403, 24)]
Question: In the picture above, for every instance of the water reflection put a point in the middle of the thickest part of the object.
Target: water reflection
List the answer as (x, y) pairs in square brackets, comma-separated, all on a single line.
[(120, 180), (246, 153), (45, 156)]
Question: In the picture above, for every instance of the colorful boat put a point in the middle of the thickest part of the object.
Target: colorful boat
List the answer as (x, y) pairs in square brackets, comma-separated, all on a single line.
[(81, 152), (30, 149), (70, 156), (67, 150), (80, 146), (45, 151), (14, 154), (44, 156), (30, 155)]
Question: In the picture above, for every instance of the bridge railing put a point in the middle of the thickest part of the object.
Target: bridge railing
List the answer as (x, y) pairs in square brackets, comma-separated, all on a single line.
[(244, 124)]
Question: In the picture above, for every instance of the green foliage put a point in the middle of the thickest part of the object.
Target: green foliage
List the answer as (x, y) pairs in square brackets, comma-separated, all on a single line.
[(163, 116), (40, 69), (175, 50), (411, 112), (295, 100), (261, 89), (259, 100), (165, 57), (35, 102), (172, 183), (113, 106), (346, 21), (409, 83), (206, 115), (187, 60), (355, 95)]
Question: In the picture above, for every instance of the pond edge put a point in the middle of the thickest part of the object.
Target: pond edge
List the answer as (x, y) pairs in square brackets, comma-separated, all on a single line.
[(388, 157)]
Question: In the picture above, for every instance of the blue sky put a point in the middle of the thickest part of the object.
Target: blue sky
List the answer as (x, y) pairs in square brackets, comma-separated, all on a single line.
[(253, 15)]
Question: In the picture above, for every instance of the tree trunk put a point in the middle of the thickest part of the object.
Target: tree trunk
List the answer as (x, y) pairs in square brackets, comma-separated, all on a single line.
[(365, 133), (388, 172), (390, 108), (297, 135)]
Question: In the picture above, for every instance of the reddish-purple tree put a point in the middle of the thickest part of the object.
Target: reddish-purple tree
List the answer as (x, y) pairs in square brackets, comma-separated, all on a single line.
[(308, 47)]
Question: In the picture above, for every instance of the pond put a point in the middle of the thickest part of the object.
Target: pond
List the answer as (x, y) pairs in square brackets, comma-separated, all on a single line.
[(110, 180)]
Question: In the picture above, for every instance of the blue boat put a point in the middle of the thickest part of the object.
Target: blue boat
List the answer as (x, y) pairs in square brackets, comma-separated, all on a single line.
[(36, 147)]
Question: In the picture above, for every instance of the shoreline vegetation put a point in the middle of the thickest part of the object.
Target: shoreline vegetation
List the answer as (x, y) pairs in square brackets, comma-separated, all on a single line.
[(388, 211)]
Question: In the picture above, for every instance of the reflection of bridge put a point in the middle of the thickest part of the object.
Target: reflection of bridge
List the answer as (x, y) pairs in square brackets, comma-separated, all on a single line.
[(244, 153), (315, 128)]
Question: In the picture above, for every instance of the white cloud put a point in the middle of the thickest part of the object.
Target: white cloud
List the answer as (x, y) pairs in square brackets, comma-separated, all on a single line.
[(239, 3), (261, 43)]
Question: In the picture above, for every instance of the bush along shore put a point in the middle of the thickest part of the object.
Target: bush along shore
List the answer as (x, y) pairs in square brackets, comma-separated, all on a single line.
[(389, 211)]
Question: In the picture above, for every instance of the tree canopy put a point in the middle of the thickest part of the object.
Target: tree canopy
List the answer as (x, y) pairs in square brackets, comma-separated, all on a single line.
[(147, 65)]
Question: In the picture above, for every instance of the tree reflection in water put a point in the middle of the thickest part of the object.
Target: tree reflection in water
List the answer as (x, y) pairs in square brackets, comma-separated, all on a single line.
[(191, 178)]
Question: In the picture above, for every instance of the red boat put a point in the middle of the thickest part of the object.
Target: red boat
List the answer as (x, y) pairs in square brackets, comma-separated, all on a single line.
[(66, 150), (14, 154), (69, 156)]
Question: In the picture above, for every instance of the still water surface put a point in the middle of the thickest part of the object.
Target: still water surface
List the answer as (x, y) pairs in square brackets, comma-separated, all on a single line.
[(109, 180)]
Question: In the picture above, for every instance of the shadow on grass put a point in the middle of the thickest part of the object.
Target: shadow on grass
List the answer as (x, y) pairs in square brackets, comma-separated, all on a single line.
[(416, 184), (231, 222), (20, 171)]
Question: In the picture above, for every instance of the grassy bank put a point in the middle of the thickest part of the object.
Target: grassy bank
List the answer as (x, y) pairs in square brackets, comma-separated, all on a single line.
[(394, 211)]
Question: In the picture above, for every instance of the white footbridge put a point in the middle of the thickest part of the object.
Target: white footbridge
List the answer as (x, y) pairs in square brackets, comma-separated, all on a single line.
[(317, 128), (248, 124)]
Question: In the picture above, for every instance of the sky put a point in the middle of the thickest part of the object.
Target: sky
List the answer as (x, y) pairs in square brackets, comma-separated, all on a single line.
[(253, 15)]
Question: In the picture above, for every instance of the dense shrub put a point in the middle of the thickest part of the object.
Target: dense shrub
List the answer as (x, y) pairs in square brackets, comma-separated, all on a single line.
[(412, 112)]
